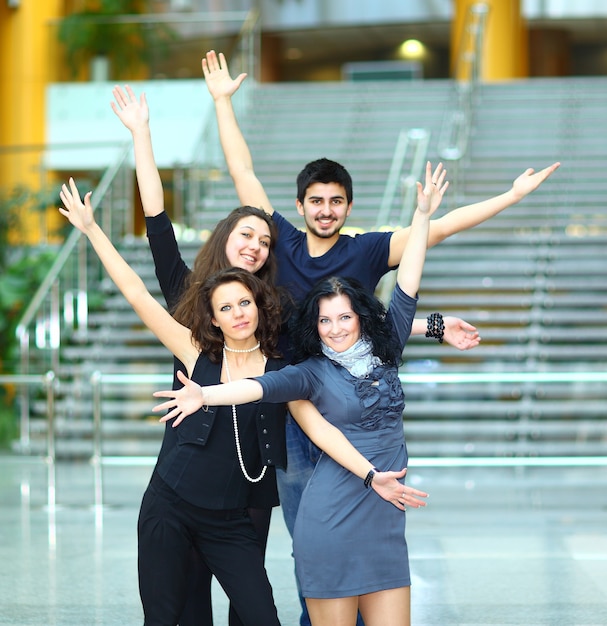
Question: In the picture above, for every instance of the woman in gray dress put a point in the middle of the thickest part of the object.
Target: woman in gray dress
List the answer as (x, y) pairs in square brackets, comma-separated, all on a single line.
[(349, 545)]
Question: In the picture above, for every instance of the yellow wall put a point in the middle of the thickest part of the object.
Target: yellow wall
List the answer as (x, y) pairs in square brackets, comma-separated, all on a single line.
[(28, 58), (505, 48)]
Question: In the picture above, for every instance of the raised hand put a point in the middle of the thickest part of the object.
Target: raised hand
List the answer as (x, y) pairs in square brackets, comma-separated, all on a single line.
[(133, 113), (78, 213), (431, 194), (530, 180), (217, 76)]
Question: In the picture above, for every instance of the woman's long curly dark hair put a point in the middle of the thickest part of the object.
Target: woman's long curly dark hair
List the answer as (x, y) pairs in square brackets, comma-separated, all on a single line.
[(210, 339), (374, 326), (212, 258)]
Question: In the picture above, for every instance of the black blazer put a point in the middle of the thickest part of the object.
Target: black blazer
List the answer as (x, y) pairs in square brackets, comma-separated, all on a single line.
[(183, 464)]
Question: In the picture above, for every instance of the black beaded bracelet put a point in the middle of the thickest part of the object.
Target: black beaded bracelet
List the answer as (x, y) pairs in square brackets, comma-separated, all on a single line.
[(369, 477), (436, 327)]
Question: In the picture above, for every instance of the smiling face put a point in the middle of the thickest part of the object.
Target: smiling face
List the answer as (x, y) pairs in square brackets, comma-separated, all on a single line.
[(338, 325), (325, 209), (235, 313), (248, 245)]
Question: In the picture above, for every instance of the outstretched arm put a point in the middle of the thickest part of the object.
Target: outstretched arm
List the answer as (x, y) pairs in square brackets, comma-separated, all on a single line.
[(457, 332), (173, 335), (134, 114), (471, 215), (192, 397), (221, 86)]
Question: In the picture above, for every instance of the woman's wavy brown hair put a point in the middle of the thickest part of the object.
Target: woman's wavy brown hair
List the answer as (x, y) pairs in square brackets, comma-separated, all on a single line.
[(210, 339), (212, 258)]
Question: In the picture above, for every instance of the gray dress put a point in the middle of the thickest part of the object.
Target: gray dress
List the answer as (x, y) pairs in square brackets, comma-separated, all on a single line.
[(348, 541)]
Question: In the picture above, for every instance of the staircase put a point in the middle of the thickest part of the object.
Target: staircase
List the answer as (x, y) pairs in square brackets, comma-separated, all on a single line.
[(125, 358), (532, 279)]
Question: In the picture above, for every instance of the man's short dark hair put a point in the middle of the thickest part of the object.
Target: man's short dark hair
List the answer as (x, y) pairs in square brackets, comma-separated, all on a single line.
[(324, 171)]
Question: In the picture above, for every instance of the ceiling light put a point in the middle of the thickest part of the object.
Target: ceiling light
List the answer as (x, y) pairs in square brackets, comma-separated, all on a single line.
[(412, 49)]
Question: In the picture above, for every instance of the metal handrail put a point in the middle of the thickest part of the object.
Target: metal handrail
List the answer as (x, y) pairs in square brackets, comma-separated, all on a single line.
[(503, 377), (68, 247), (49, 292), (97, 380), (48, 381), (418, 138)]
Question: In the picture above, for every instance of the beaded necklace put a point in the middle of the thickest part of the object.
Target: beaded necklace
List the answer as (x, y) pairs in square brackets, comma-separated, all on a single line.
[(241, 351), (235, 419)]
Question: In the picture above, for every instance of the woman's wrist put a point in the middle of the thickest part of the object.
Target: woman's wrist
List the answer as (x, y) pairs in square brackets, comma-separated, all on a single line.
[(435, 327), (205, 405), (369, 477)]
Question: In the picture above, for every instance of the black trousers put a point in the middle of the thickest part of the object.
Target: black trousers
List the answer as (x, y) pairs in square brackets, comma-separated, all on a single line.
[(168, 528), (198, 609)]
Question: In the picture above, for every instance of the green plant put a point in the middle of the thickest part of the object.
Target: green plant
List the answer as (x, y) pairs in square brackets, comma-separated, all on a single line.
[(18, 283), (8, 419), (22, 269), (103, 29)]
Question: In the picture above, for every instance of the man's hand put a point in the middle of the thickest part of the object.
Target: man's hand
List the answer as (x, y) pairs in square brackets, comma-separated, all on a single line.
[(217, 76), (530, 180), (133, 113)]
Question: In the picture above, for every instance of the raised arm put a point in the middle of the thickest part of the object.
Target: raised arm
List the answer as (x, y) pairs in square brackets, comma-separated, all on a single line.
[(412, 261), (473, 214), (134, 114), (173, 335), (221, 86), (456, 331)]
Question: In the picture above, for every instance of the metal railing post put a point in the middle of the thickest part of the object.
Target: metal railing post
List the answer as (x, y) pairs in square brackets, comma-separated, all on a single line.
[(24, 422), (96, 381), (419, 138), (49, 382), (96, 459)]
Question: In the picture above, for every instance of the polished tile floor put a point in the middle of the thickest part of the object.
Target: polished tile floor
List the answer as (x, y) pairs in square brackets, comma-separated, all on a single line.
[(496, 545)]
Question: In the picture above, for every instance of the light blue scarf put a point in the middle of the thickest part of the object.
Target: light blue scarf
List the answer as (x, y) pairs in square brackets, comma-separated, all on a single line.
[(358, 359)]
